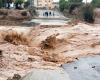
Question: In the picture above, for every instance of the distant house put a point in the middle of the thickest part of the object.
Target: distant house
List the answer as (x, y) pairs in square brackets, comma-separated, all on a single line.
[(47, 4)]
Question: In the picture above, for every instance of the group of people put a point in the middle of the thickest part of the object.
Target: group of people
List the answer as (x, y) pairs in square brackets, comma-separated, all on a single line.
[(13, 5), (48, 13)]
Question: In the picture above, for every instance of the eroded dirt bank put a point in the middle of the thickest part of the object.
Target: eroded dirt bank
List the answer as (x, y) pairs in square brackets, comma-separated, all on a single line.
[(25, 48), (12, 17)]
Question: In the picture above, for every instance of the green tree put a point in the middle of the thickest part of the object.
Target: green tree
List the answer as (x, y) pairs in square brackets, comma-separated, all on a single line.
[(62, 4), (19, 1), (88, 13), (1, 3), (75, 1), (73, 4), (69, 4), (96, 3)]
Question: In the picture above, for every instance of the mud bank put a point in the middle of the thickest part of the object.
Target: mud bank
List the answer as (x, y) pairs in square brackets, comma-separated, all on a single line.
[(13, 17)]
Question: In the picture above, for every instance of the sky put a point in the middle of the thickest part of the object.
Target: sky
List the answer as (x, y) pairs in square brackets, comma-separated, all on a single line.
[(83, 0)]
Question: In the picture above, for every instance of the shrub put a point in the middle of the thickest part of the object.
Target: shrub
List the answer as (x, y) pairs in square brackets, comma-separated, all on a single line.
[(72, 7), (96, 3), (62, 4), (19, 1), (88, 13)]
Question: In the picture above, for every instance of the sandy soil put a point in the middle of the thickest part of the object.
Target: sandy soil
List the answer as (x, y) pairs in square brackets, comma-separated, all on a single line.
[(70, 43)]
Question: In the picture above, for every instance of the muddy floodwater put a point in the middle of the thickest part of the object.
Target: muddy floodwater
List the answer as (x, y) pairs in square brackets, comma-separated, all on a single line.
[(38, 51), (87, 68)]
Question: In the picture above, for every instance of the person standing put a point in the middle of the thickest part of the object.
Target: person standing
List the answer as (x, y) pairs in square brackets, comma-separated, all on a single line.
[(50, 13), (47, 14)]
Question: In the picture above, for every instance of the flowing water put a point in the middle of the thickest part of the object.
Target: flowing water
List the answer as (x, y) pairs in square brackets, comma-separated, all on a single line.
[(87, 68)]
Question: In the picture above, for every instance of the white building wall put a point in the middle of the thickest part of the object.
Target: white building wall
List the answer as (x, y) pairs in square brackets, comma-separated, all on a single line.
[(35, 3)]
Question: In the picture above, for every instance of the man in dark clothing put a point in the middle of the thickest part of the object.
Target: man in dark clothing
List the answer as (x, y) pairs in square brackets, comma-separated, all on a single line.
[(50, 13)]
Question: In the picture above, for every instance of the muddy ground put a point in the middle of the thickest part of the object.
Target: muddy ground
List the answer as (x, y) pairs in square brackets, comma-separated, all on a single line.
[(13, 17)]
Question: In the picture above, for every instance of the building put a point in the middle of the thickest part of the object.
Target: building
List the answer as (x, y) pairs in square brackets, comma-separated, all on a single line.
[(56, 4), (46, 4)]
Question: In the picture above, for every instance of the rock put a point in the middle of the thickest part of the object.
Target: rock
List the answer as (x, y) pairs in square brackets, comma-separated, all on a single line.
[(75, 67), (93, 66), (16, 77)]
